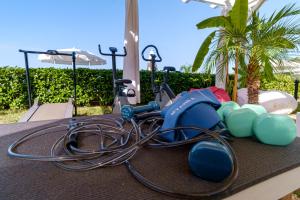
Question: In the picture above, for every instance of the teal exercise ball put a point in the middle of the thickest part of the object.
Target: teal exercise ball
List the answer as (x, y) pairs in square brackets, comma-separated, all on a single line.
[(239, 122), (226, 108), (274, 129)]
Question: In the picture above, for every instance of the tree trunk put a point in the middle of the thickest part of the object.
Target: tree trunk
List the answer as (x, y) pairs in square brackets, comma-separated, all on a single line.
[(234, 92), (253, 82), (227, 71)]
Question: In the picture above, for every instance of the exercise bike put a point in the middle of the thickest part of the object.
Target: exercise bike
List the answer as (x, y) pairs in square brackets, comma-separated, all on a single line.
[(120, 90), (163, 93)]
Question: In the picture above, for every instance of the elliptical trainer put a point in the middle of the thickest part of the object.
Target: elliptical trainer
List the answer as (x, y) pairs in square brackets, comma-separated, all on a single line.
[(119, 85), (163, 93)]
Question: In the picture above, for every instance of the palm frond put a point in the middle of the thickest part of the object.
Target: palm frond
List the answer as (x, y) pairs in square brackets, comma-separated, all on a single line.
[(268, 69), (214, 22), (202, 52), (239, 14), (286, 11)]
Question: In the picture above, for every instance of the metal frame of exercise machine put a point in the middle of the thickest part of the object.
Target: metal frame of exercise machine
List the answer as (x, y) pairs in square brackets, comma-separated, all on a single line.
[(49, 52), (119, 85), (163, 93)]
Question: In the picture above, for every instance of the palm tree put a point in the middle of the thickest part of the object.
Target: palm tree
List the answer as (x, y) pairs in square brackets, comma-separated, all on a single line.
[(255, 47), (270, 41), (186, 68), (227, 42)]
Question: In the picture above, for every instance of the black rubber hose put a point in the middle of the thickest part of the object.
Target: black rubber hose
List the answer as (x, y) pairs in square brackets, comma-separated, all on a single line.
[(226, 183), (125, 145)]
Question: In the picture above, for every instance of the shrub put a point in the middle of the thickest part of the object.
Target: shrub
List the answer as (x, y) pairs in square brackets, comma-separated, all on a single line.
[(281, 82), (94, 86)]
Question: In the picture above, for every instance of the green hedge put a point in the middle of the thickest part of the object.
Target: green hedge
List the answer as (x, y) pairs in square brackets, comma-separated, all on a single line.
[(94, 86), (282, 82)]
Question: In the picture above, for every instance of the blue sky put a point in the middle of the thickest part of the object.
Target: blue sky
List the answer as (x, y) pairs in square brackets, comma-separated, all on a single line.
[(55, 24)]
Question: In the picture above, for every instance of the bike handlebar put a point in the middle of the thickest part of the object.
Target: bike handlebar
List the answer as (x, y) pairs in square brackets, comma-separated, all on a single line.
[(147, 59), (113, 52)]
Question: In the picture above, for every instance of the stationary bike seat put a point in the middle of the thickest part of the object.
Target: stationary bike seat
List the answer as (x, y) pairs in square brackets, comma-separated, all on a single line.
[(122, 81), (169, 68)]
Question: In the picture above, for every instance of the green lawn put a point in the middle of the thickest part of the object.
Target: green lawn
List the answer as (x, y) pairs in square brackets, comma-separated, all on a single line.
[(12, 116), (94, 110)]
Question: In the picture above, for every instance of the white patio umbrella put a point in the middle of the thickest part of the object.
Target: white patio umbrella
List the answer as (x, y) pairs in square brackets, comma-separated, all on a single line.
[(290, 67), (131, 41), (82, 58), (226, 6)]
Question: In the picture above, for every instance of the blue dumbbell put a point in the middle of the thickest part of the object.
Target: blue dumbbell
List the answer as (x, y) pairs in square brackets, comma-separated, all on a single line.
[(127, 111), (211, 161)]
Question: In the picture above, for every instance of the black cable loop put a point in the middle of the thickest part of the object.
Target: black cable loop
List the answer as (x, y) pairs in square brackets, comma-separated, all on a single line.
[(126, 142)]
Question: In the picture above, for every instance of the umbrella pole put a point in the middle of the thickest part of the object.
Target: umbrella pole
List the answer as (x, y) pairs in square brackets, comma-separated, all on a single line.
[(74, 80)]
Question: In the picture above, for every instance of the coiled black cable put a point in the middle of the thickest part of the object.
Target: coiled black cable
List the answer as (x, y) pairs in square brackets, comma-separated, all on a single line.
[(157, 142), (125, 143)]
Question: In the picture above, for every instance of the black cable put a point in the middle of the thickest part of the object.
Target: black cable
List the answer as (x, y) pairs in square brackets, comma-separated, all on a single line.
[(109, 123), (226, 183), (125, 143)]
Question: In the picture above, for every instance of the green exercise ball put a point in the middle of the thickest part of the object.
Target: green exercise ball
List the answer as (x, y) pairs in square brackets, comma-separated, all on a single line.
[(274, 129), (256, 108), (239, 122), (226, 108)]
